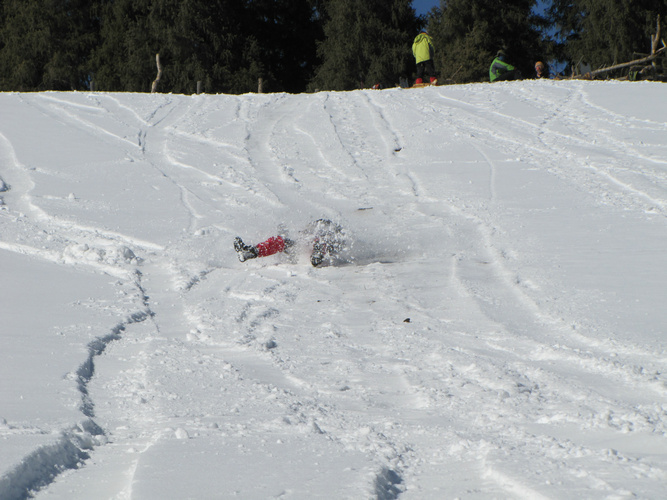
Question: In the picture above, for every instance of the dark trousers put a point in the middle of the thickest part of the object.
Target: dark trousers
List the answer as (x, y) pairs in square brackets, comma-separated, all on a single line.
[(515, 74), (425, 67)]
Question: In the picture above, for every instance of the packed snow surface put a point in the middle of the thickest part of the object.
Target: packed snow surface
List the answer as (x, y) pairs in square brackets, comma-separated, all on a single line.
[(494, 327)]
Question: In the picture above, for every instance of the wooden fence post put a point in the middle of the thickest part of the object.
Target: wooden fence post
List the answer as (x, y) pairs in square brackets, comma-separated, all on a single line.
[(159, 74)]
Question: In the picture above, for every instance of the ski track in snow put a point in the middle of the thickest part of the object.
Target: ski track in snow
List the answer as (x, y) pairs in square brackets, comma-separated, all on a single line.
[(486, 380)]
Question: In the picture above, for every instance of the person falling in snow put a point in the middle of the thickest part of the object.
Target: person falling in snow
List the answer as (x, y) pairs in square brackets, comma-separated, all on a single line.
[(325, 236)]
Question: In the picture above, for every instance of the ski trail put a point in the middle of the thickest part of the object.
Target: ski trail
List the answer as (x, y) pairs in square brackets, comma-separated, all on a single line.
[(61, 110), (185, 152), (24, 185), (318, 136), (20, 181), (390, 135), (71, 442), (40, 467), (511, 485), (492, 174), (552, 145), (394, 144), (510, 279), (532, 332), (260, 359), (74, 245), (20, 201), (394, 383), (59, 258), (159, 279)]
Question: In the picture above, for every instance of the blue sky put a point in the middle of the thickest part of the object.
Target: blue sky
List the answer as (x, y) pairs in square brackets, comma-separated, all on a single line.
[(423, 6)]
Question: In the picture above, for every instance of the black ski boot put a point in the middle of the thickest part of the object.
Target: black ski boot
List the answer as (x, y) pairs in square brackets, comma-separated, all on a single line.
[(244, 251), (319, 251), (288, 244)]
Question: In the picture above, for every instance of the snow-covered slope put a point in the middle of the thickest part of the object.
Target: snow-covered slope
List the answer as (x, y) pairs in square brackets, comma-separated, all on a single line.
[(495, 327)]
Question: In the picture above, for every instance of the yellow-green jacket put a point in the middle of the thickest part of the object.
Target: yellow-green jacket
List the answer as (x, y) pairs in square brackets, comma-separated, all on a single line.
[(499, 67), (422, 48)]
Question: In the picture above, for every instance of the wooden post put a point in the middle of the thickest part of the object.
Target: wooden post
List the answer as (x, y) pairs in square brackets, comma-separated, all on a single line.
[(159, 74), (198, 86), (260, 86)]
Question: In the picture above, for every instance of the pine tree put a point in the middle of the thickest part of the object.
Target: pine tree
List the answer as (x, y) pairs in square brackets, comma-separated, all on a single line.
[(602, 33), (287, 31), (45, 44), (2, 29), (365, 42), (226, 44), (203, 40), (198, 40), (121, 60), (469, 33)]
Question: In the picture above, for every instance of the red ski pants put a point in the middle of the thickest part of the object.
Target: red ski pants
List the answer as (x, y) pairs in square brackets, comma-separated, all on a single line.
[(273, 245)]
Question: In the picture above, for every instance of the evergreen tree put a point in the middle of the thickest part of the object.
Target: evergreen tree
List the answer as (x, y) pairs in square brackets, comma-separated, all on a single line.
[(45, 44), (365, 42), (287, 31), (469, 33), (2, 28), (204, 40), (198, 40), (227, 44), (121, 60), (602, 33)]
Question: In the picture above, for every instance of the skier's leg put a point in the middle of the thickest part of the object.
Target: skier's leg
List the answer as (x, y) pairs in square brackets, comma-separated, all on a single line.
[(244, 251), (273, 245), (430, 71), (420, 72), (319, 251)]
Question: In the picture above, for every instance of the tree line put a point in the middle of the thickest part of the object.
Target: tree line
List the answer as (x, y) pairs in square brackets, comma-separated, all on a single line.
[(300, 45)]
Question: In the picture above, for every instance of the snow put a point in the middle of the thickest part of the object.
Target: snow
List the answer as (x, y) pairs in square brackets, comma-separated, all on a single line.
[(495, 327)]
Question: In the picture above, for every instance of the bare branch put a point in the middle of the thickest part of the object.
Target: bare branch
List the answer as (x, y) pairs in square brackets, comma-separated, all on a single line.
[(655, 53), (656, 38)]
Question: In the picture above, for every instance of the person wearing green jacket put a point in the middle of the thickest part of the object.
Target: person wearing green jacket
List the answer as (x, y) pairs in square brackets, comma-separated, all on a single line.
[(501, 70), (422, 49)]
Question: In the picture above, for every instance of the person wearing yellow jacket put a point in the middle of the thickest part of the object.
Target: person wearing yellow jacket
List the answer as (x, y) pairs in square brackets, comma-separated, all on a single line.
[(422, 49)]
